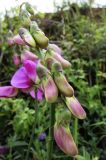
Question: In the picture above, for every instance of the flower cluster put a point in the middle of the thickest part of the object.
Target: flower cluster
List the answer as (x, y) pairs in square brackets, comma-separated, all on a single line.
[(40, 73)]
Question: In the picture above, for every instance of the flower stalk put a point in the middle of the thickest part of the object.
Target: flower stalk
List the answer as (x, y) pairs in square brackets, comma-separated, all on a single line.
[(51, 130)]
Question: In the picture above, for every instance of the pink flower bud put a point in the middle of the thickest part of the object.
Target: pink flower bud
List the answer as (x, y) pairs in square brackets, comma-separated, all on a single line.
[(26, 36), (75, 107), (27, 55), (16, 59), (65, 140), (18, 40), (10, 41), (55, 48), (50, 89), (63, 85), (58, 57)]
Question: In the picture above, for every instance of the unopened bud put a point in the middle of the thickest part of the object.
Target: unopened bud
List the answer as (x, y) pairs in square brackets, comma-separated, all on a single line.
[(18, 40), (30, 9), (59, 58), (50, 89), (26, 36), (25, 18), (65, 140), (27, 55), (75, 107), (38, 35), (63, 85)]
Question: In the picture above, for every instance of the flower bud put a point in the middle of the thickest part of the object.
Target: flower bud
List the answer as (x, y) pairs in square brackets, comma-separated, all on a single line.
[(30, 9), (24, 17), (75, 107), (18, 40), (55, 48), (63, 85), (39, 36), (10, 41), (65, 140), (41, 39), (27, 55), (59, 58), (42, 71), (50, 89), (26, 36), (16, 59)]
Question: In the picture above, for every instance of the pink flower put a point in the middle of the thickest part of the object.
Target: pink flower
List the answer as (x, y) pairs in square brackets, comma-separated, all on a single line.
[(75, 107), (8, 91), (65, 140), (23, 79)]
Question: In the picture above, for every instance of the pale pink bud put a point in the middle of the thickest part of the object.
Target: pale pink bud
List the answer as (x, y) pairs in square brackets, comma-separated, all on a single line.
[(65, 140), (59, 58), (27, 37), (27, 55), (75, 107), (10, 41), (50, 89), (18, 40), (55, 48), (16, 59)]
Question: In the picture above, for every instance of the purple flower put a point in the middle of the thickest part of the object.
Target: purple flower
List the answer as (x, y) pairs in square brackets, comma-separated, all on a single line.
[(42, 137), (23, 79), (75, 107), (3, 150)]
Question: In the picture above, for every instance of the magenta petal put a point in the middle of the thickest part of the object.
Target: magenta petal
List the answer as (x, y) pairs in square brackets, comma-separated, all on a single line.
[(32, 93), (40, 95), (31, 69), (20, 79), (8, 91)]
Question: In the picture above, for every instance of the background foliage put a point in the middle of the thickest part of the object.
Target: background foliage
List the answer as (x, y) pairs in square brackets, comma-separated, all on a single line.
[(82, 36)]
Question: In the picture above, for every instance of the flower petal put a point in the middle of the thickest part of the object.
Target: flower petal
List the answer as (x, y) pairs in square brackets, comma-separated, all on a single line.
[(40, 95), (31, 69), (20, 79), (8, 91)]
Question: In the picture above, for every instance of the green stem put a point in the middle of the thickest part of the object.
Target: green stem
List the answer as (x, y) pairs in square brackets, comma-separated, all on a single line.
[(50, 143), (75, 132), (32, 134)]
